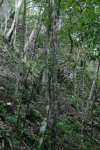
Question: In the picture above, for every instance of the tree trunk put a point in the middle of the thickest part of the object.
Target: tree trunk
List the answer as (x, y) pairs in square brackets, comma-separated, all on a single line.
[(53, 12)]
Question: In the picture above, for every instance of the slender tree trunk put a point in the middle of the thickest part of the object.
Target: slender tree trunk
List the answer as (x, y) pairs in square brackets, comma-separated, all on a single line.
[(53, 12), (21, 87), (33, 37), (18, 5)]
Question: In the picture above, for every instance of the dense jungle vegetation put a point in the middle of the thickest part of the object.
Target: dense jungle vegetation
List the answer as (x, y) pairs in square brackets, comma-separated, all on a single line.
[(49, 74)]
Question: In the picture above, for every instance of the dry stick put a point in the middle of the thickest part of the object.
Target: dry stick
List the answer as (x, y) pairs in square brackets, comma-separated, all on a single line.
[(70, 37), (91, 94), (90, 101), (93, 86)]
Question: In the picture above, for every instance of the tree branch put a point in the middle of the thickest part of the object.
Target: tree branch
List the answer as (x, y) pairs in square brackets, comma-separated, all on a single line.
[(1, 3)]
